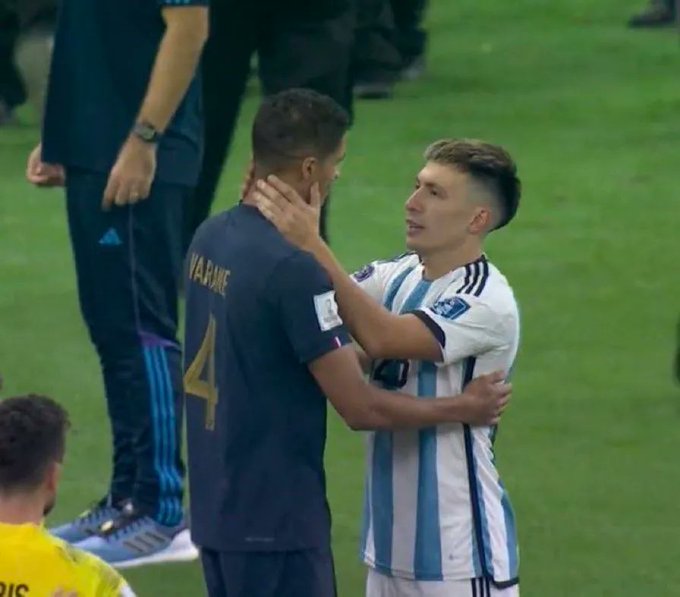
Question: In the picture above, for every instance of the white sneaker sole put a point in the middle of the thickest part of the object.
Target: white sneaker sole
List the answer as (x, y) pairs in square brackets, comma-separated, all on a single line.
[(180, 550)]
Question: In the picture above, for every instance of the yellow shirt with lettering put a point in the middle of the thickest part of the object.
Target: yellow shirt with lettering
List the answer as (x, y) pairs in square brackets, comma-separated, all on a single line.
[(33, 563)]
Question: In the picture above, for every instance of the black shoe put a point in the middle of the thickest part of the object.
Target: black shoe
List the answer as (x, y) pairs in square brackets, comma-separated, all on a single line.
[(659, 13)]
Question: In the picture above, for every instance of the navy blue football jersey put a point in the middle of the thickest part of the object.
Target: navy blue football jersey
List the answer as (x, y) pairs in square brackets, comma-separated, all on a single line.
[(258, 312)]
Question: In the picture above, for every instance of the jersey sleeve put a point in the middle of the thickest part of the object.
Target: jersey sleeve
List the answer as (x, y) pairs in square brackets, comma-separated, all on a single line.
[(466, 326), (307, 307), (374, 278), (369, 280)]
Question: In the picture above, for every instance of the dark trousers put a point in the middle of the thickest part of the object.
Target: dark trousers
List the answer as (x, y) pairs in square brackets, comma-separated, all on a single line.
[(12, 91), (308, 573), (408, 22), (375, 55), (389, 37), (304, 43), (128, 261)]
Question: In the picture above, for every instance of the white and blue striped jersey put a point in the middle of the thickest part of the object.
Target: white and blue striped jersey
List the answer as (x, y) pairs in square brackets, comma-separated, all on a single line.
[(435, 507)]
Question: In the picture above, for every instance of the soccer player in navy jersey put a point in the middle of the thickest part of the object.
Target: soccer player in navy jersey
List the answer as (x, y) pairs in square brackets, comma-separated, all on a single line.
[(265, 347)]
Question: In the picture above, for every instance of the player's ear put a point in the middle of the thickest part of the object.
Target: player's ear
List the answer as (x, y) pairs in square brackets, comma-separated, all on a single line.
[(53, 477), (309, 168), (481, 221)]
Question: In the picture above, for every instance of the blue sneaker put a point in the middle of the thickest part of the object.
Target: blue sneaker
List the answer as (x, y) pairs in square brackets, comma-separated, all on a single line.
[(87, 524), (133, 540)]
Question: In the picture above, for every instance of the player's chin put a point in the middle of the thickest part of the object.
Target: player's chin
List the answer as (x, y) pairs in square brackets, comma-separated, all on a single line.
[(412, 242)]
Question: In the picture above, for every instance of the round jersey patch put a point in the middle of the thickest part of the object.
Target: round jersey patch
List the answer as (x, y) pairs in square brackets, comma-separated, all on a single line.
[(364, 273)]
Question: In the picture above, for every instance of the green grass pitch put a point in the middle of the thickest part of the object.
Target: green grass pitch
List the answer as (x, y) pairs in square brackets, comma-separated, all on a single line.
[(591, 111)]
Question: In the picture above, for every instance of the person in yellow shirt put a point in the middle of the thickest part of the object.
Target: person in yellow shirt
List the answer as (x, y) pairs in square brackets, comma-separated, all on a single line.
[(32, 562)]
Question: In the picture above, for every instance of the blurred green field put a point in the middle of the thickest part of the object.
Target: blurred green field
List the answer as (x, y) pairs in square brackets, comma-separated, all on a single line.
[(591, 111)]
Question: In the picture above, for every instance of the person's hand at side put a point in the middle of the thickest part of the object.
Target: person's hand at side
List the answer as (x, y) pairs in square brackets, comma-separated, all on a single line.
[(132, 175), (42, 174)]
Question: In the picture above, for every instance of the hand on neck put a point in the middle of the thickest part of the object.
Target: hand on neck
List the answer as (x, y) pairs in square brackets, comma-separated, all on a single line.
[(288, 177)]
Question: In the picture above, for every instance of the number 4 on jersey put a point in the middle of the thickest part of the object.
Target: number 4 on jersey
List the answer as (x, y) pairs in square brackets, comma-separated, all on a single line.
[(204, 363)]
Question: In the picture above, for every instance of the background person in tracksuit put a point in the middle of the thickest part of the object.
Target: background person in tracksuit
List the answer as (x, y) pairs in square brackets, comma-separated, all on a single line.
[(123, 132)]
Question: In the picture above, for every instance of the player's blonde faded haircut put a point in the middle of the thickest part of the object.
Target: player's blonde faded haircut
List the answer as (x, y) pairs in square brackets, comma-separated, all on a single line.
[(489, 165)]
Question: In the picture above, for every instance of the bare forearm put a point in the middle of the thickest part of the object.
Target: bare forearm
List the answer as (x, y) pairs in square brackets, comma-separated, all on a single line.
[(364, 406), (176, 63), (365, 361), (391, 410), (364, 317)]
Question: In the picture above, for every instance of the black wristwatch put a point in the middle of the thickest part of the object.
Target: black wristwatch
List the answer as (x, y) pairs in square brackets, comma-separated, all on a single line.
[(146, 132)]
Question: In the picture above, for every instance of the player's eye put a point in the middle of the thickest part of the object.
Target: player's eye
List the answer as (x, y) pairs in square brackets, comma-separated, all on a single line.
[(437, 192)]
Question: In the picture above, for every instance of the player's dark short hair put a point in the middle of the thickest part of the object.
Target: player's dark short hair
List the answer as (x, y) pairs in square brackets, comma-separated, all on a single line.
[(295, 124), (489, 165), (32, 437)]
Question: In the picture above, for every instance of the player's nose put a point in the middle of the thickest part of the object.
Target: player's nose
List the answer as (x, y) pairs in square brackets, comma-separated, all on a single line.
[(413, 203)]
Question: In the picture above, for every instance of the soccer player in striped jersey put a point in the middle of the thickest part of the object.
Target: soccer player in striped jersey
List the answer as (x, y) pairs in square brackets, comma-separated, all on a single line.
[(437, 518), (265, 349)]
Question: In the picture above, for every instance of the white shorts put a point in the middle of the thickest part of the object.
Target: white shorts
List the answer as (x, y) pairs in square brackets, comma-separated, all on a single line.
[(379, 585)]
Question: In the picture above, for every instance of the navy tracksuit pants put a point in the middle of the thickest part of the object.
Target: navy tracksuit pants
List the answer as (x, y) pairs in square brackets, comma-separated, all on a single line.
[(128, 263)]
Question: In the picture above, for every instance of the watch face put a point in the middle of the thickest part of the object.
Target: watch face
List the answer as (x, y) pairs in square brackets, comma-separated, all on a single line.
[(145, 132)]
